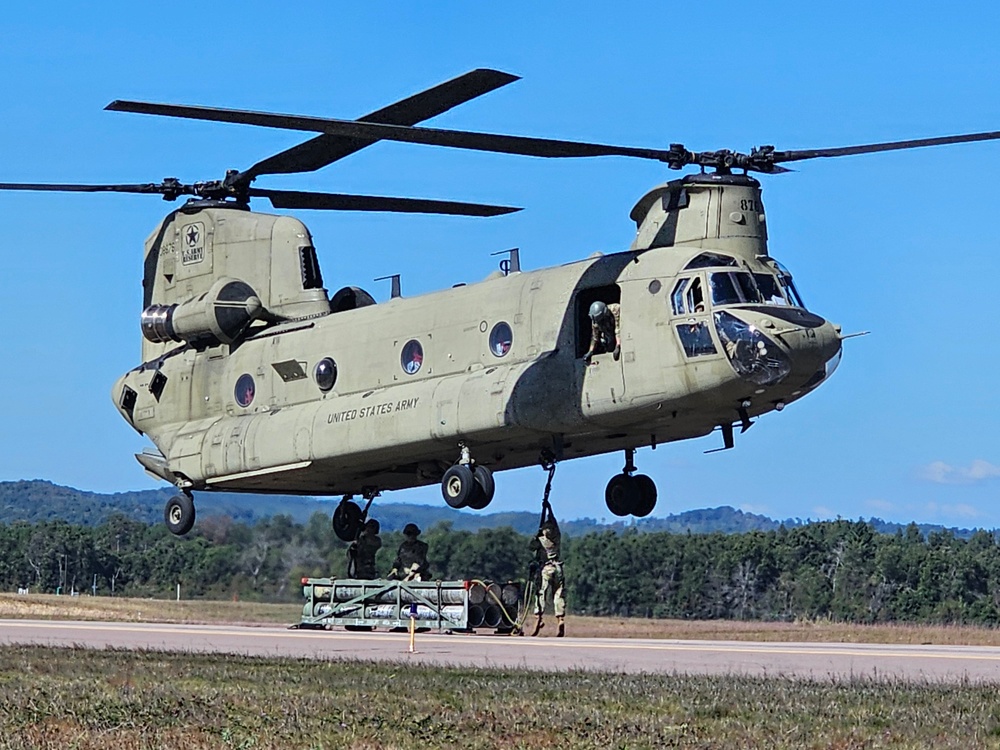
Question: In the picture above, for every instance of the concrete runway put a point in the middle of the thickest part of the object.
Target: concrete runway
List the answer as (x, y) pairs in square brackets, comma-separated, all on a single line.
[(822, 661)]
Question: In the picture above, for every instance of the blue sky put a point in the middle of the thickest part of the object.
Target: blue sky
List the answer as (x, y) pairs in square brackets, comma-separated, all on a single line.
[(901, 244)]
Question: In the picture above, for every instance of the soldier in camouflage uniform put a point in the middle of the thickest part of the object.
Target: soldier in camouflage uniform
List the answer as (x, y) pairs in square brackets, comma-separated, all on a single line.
[(411, 559), (362, 551), (605, 329), (545, 544)]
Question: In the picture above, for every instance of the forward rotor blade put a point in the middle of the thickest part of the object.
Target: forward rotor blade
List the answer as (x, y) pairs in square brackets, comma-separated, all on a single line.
[(869, 148), (342, 202), (49, 187), (504, 144), (326, 149)]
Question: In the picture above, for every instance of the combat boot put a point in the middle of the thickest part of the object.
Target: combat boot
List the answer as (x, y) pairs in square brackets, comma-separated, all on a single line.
[(562, 627), (538, 625)]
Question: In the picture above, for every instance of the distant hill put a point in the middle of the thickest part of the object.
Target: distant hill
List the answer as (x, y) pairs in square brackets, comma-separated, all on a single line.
[(38, 500)]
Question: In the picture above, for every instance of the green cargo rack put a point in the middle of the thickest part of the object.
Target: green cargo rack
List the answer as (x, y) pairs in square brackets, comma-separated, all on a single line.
[(442, 605)]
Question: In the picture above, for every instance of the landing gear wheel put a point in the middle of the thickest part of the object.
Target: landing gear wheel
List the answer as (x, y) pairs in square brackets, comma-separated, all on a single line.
[(621, 494), (458, 486), (647, 496), (179, 514), (485, 488), (347, 521)]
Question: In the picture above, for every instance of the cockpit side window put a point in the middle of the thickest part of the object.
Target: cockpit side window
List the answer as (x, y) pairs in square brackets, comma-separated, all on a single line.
[(688, 298), (695, 296), (696, 338), (677, 297)]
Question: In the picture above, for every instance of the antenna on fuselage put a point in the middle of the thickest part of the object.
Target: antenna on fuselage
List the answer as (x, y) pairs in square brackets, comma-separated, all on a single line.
[(394, 292), (512, 263)]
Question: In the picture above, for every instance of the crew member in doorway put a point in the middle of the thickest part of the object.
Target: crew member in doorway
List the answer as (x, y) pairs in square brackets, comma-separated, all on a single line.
[(605, 329), (361, 553), (411, 558), (546, 548)]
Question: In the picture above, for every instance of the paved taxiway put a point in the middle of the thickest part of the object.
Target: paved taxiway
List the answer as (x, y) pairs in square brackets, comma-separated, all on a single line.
[(813, 660)]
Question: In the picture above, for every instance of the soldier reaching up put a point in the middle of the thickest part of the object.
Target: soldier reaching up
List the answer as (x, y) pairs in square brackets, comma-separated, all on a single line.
[(545, 545), (361, 553)]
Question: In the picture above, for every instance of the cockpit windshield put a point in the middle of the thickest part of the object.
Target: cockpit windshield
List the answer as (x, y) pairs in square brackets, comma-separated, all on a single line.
[(777, 288), (785, 279), (733, 288), (770, 289)]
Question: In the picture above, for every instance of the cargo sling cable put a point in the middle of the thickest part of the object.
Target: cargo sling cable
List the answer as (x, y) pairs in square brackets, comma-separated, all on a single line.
[(532, 584)]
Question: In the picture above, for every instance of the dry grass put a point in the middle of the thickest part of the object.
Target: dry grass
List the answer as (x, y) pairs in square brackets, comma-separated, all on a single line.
[(99, 699), (809, 631), (120, 609), (51, 607)]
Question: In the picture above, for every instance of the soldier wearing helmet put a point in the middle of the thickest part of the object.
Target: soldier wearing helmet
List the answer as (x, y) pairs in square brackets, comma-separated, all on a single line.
[(545, 545), (411, 558), (605, 329), (361, 553)]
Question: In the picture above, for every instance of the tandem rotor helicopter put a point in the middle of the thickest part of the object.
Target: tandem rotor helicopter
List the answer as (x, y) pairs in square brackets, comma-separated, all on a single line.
[(254, 378)]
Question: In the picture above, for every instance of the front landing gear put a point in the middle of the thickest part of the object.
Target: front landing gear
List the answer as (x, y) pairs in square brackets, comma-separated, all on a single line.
[(628, 493), (179, 514), (346, 520), (348, 516), (467, 484)]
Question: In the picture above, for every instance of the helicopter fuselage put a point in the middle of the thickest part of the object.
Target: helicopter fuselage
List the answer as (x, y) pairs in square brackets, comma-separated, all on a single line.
[(711, 332)]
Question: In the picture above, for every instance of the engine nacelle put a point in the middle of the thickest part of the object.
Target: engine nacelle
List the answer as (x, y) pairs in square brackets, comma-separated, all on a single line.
[(220, 315)]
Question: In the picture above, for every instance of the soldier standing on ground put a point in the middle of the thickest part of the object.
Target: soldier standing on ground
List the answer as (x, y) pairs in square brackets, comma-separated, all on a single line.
[(411, 559), (545, 544), (362, 551)]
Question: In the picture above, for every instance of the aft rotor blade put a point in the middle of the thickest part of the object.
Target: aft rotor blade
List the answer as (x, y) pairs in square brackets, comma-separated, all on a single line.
[(869, 148), (326, 149), (342, 202), (504, 144), (76, 188)]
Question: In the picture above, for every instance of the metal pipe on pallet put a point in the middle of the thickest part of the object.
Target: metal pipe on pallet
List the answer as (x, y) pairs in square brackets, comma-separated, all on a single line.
[(477, 593), (510, 595), (452, 612), (476, 616), (408, 594), (492, 616), (493, 593)]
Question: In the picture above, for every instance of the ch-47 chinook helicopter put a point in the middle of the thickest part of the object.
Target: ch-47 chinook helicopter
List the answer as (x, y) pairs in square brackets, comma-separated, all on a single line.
[(254, 379)]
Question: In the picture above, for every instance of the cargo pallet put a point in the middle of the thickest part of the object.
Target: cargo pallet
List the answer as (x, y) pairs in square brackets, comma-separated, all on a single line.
[(442, 605)]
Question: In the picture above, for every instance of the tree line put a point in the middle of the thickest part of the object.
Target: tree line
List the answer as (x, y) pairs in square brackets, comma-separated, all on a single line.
[(842, 570)]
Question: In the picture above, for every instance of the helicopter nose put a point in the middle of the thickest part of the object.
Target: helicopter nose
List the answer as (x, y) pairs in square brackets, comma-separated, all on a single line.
[(815, 352), (787, 346)]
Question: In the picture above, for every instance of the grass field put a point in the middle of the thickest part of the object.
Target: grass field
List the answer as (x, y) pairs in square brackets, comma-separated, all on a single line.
[(100, 699), (55, 698), (49, 607)]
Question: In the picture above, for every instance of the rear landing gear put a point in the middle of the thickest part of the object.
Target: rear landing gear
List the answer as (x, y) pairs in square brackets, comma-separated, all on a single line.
[(179, 514), (629, 494), (468, 485), (484, 490)]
